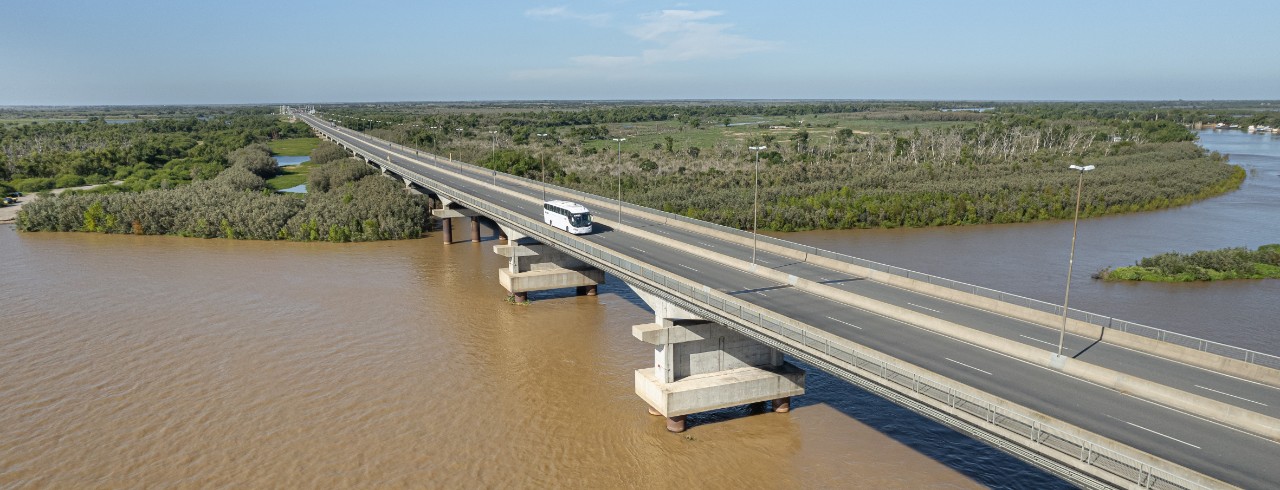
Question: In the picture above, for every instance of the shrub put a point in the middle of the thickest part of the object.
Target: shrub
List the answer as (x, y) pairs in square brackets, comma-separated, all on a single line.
[(68, 180)]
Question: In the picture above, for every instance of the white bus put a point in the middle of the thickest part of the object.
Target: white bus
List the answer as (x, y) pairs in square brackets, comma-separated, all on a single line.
[(568, 216)]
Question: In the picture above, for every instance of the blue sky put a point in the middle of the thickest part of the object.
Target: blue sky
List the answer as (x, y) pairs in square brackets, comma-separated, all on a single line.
[(231, 51)]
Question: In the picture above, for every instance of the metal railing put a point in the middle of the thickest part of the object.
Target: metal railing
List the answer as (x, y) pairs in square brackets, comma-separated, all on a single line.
[(1024, 427), (1104, 321)]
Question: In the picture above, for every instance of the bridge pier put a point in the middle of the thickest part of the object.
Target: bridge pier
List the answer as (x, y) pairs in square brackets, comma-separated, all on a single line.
[(447, 212), (701, 366), (533, 266)]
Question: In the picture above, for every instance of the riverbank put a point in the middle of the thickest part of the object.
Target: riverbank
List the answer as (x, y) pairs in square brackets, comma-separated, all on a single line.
[(1206, 265), (9, 214)]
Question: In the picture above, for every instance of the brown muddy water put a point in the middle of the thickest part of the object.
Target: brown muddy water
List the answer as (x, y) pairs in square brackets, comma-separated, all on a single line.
[(137, 362)]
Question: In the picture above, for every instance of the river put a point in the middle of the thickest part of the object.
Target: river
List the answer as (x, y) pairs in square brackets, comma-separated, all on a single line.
[(1030, 259), (168, 362)]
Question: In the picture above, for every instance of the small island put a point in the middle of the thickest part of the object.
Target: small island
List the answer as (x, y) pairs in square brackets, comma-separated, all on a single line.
[(1205, 265)]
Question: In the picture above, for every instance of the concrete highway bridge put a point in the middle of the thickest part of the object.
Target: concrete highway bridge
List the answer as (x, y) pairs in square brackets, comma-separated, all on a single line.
[(1127, 406)]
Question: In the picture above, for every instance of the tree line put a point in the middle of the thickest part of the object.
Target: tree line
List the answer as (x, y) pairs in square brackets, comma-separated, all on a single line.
[(147, 154), (350, 205), (1204, 265)]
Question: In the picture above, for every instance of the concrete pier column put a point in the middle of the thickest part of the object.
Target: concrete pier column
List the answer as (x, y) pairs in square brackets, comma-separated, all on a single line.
[(533, 266), (675, 424), (701, 365), (782, 405), (475, 229), (446, 215)]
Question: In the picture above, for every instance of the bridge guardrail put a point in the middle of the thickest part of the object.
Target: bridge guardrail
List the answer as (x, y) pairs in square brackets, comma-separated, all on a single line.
[(1104, 321), (1034, 433)]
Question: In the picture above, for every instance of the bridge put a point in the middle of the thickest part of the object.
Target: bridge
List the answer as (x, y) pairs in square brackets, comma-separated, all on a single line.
[(1126, 406)]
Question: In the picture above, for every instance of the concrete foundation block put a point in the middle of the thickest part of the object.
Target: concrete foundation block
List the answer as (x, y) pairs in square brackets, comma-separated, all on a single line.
[(542, 280), (728, 388)]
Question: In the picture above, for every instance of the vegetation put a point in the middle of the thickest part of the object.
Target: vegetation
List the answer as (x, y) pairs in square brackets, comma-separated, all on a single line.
[(158, 153), (1210, 265), (832, 164), (291, 176), (293, 146), (236, 204)]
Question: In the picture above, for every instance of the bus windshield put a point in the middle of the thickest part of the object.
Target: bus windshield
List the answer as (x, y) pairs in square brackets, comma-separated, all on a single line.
[(579, 220)]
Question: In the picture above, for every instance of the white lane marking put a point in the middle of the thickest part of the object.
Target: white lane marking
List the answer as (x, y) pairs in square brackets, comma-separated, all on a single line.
[(687, 267), (844, 322), (638, 250), (820, 278), (708, 245), (1153, 432), (1037, 340), (988, 373), (762, 261), (924, 307), (761, 293), (1230, 395)]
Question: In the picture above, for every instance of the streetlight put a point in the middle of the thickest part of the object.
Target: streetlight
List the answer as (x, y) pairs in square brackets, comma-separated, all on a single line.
[(619, 140), (493, 152), (1062, 334), (755, 205), (544, 168)]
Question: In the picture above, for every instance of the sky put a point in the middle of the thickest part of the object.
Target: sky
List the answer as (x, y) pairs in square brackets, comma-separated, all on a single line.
[(267, 51)]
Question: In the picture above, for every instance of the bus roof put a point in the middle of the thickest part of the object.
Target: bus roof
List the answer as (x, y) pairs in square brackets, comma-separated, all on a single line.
[(569, 206)]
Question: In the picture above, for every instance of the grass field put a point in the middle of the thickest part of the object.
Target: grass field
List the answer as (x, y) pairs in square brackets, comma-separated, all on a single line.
[(290, 176), (294, 147)]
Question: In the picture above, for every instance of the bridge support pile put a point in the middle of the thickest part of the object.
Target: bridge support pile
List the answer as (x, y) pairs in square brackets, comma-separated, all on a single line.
[(537, 267), (701, 365), (448, 213)]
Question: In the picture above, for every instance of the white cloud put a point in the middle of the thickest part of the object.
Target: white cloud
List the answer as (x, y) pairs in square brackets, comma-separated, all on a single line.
[(676, 36), (563, 13), (683, 36)]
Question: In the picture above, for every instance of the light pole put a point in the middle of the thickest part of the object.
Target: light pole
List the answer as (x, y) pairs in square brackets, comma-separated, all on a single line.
[(544, 168), (619, 140), (755, 205), (1062, 334), (493, 152)]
